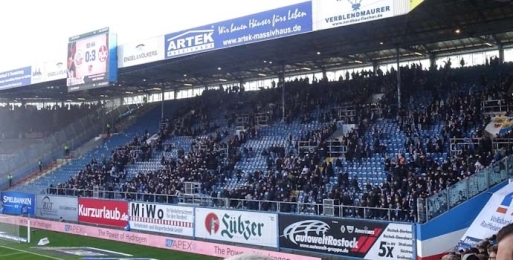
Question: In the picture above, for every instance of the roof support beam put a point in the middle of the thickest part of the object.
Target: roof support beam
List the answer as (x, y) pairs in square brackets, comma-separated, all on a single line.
[(496, 39), (487, 41), (415, 51)]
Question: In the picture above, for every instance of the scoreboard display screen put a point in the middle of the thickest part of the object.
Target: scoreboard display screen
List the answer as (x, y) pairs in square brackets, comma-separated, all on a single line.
[(90, 57)]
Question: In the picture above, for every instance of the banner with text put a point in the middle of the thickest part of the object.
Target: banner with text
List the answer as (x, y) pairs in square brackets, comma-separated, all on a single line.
[(155, 241), (17, 203), (15, 78), (277, 23), (496, 214), (48, 71), (142, 52), (103, 212), (161, 218), (335, 13), (345, 237), (252, 228), (57, 207)]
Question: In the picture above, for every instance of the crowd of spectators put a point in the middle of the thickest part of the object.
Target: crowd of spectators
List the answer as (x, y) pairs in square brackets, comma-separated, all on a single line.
[(30, 122), (425, 166), (287, 171), (414, 172), (498, 246), (208, 155), (108, 171)]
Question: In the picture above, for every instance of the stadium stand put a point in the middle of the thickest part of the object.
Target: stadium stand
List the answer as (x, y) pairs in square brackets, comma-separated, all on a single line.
[(28, 122), (235, 150), (378, 125), (36, 153)]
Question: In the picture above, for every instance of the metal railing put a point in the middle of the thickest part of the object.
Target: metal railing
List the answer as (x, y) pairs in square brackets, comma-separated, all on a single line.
[(458, 145), (466, 189), (427, 208), (498, 143), (495, 106), (335, 148), (386, 214)]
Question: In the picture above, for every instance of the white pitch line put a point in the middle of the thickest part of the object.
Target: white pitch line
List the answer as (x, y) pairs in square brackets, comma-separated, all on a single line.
[(17, 253), (32, 253), (108, 251)]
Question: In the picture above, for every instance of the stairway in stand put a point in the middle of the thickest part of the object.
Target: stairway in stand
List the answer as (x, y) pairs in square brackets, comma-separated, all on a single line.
[(38, 174)]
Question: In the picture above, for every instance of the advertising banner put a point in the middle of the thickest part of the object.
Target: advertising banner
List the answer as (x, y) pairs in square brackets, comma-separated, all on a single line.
[(346, 237), (103, 212), (142, 52), (329, 14), (161, 218), (277, 23), (17, 203), (15, 78), (176, 244), (48, 71), (496, 214), (252, 228), (56, 207)]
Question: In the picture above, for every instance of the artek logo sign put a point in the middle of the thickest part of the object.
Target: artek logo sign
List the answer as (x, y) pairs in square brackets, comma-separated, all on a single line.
[(190, 42), (231, 226)]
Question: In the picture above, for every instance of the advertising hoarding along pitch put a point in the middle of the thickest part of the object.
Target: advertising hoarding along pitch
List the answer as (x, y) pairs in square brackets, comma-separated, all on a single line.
[(251, 228), (496, 214), (103, 212), (15, 78), (168, 243), (56, 207), (142, 52), (160, 218), (17, 203), (335, 13), (344, 237), (277, 23)]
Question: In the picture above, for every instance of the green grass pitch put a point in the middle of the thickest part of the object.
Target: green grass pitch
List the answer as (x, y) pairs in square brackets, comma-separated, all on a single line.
[(25, 251)]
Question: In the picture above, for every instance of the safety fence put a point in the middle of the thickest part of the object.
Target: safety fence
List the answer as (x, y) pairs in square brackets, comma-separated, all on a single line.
[(465, 189), (318, 235)]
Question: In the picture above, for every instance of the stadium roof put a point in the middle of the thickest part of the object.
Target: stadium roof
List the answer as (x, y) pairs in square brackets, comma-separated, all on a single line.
[(435, 27)]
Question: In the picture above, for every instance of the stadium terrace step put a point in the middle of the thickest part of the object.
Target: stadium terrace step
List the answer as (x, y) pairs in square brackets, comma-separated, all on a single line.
[(38, 174)]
